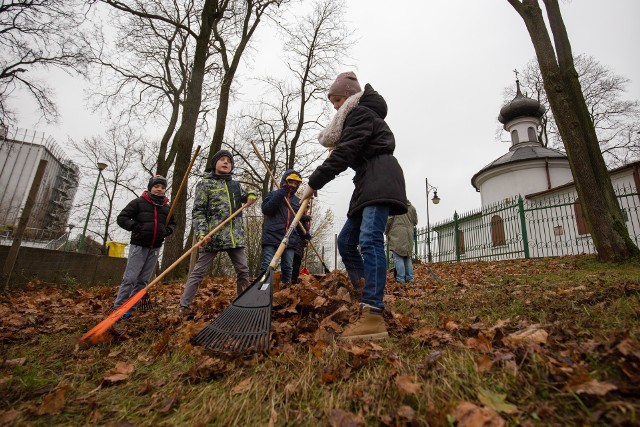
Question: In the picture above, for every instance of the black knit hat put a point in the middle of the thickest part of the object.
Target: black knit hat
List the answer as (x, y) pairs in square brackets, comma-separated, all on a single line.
[(217, 156), (158, 179)]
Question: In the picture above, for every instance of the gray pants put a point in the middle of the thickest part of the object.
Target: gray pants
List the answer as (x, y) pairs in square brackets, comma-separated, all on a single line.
[(205, 259), (140, 265)]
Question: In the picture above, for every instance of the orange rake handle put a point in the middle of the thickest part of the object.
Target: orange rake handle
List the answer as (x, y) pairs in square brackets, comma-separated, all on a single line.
[(95, 335)]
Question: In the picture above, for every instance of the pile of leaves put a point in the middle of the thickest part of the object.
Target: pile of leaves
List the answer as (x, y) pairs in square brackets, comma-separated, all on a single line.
[(524, 342)]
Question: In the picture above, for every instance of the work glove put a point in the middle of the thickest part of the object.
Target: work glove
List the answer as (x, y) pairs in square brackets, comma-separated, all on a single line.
[(308, 192), (288, 189)]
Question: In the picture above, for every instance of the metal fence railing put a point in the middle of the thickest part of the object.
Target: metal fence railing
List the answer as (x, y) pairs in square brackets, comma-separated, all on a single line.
[(518, 228)]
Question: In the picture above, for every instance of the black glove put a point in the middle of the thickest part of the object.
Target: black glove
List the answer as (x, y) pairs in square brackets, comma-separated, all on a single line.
[(288, 189), (168, 231), (307, 236)]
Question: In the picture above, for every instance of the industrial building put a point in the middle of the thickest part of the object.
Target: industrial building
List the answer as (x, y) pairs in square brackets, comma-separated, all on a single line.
[(20, 153)]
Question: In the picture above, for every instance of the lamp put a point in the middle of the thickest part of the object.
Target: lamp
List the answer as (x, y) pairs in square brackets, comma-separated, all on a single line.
[(66, 242), (435, 201), (101, 166)]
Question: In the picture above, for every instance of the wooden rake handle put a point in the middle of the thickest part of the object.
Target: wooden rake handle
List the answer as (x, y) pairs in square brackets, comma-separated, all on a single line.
[(285, 240), (275, 182), (95, 334)]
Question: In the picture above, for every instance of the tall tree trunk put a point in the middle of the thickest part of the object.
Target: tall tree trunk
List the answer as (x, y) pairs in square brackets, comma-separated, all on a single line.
[(593, 184), (185, 135)]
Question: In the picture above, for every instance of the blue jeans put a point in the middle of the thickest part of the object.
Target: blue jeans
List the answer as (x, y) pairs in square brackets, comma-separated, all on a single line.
[(286, 261), (369, 262), (404, 268)]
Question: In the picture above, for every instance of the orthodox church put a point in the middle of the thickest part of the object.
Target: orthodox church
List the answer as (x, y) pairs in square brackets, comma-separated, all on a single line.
[(529, 203)]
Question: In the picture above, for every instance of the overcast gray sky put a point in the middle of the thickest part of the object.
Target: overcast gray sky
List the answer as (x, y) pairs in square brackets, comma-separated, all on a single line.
[(442, 66)]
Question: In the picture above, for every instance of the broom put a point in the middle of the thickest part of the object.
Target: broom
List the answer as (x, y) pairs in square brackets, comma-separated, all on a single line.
[(95, 335), (245, 325)]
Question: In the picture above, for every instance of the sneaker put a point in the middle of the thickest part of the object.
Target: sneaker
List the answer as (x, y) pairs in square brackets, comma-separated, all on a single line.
[(369, 326)]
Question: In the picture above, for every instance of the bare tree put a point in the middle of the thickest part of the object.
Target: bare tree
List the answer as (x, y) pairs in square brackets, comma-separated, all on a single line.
[(561, 83), (616, 120), (36, 35), (285, 124), (230, 40), (144, 77), (119, 183)]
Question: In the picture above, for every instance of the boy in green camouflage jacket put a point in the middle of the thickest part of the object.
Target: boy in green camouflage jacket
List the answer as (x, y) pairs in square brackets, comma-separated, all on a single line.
[(217, 197)]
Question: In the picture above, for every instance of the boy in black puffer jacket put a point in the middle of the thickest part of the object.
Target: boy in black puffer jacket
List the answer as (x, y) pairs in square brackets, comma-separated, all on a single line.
[(145, 217)]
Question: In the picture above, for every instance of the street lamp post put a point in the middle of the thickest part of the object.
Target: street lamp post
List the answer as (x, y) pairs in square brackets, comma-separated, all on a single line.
[(435, 201), (66, 242), (101, 167)]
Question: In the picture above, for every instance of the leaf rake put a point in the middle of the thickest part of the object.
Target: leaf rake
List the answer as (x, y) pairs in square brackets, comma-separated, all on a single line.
[(245, 325), (96, 334)]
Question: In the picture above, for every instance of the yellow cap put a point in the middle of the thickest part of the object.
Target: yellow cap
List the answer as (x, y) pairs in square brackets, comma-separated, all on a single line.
[(294, 177)]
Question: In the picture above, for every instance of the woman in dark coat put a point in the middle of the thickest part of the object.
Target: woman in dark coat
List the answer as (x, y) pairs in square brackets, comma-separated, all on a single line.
[(359, 138)]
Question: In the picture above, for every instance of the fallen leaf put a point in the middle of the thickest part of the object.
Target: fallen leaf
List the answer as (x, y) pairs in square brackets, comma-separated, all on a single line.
[(242, 386), (15, 362), (532, 334), (8, 417), (496, 401), (121, 372), (483, 363), (340, 418), (53, 402), (406, 384), (592, 387), (469, 415)]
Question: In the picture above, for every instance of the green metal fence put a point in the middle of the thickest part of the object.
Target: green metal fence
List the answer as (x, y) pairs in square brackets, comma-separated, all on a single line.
[(518, 228)]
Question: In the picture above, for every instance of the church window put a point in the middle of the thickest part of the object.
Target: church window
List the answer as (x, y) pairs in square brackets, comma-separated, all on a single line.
[(581, 221), (497, 231), (514, 137), (461, 242), (532, 134)]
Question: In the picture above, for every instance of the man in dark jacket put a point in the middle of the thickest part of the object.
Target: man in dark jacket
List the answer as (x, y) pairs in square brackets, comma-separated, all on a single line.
[(145, 217), (277, 219), (359, 138)]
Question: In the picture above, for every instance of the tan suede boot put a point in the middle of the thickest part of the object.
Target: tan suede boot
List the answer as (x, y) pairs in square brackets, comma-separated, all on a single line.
[(369, 326)]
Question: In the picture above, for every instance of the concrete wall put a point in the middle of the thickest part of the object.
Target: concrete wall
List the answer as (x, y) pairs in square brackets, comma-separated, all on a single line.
[(64, 267)]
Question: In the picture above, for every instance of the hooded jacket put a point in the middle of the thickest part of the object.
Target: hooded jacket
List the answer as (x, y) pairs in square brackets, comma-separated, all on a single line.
[(366, 145), (145, 219), (277, 216), (217, 197)]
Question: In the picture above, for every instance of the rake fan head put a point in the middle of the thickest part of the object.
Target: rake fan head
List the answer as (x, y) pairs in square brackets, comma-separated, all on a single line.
[(245, 325)]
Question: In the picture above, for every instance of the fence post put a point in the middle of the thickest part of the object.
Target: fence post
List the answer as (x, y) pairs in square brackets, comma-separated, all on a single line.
[(523, 226), (456, 237)]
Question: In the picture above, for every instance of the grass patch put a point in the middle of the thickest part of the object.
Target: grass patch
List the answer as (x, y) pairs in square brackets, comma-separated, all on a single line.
[(530, 342)]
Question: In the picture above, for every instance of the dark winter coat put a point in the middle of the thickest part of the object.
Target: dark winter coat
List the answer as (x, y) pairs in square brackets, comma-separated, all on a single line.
[(278, 217), (217, 197), (145, 220), (366, 145)]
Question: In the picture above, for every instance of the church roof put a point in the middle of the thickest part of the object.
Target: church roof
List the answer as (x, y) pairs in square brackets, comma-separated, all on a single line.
[(521, 152), (520, 106)]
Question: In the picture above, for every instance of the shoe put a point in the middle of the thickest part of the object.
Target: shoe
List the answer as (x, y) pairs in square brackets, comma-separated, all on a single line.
[(185, 312), (369, 326)]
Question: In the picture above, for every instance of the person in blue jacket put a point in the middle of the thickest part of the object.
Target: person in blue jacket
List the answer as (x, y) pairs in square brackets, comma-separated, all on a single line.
[(277, 219)]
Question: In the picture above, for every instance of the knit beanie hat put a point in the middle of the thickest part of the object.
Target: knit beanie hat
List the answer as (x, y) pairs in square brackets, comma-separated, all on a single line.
[(217, 156), (158, 179), (346, 84)]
